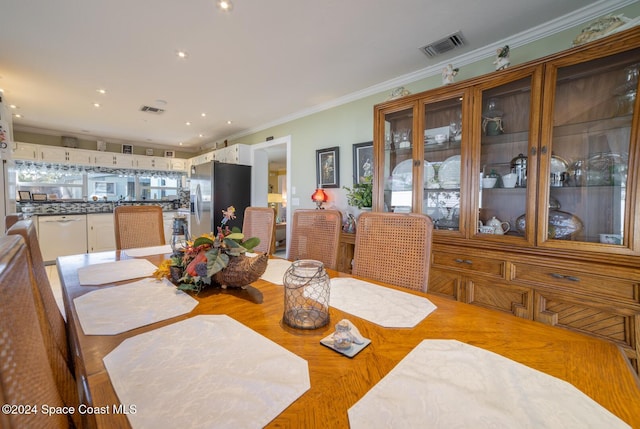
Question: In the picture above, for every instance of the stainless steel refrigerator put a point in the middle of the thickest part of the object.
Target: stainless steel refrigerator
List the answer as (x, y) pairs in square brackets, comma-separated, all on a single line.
[(214, 187)]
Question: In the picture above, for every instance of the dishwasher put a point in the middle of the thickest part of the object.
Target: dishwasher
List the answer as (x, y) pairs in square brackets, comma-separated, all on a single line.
[(62, 235)]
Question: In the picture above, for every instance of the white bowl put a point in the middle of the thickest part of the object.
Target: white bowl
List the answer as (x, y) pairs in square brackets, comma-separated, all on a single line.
[(509, 180), (489, 182)]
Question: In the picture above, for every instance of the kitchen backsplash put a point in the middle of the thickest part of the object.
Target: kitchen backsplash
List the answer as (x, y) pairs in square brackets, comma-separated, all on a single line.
[(75, 207)]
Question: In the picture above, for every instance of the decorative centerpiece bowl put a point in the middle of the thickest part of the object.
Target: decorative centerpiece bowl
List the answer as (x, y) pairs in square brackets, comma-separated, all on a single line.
[(215, 260)]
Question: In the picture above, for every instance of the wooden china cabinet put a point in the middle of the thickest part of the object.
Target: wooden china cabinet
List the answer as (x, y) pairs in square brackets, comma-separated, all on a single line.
[(556, 238)]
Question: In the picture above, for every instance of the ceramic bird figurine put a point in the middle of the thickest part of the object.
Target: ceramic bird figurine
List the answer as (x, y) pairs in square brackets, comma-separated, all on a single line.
[(448, 73), (502, 58)]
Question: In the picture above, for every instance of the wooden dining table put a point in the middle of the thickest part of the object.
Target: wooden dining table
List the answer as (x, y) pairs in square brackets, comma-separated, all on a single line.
[(595, 367)]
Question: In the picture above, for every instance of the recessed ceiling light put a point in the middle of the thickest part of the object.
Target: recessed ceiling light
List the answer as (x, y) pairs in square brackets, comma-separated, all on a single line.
[(201, 135), (101, 91), (13, 106), (96, 105), (187, 123), (17, 115), (225, 5), (228, 122), (182, 54), (203, 114), (180, 143)]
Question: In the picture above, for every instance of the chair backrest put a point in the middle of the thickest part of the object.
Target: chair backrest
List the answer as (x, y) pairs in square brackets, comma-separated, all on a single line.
[(260, 222), (10, 219), (138, 226), (315, 234), (25, 374), (394, 248), (52, 324), (45, 301)]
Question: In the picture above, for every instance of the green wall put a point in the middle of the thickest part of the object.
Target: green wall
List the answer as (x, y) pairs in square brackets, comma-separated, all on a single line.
[(353, 122)]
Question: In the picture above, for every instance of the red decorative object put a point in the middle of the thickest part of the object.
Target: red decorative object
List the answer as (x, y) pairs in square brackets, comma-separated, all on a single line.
[(319, 197)]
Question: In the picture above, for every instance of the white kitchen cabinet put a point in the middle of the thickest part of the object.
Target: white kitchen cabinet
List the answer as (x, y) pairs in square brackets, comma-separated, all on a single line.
[(123, 160), (64, 155), (179, 164), (144, 162), (101, 234), (25, 151), (235, 154)]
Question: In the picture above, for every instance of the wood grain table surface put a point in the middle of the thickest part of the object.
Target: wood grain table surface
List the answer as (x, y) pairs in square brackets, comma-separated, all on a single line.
[(595, 367)]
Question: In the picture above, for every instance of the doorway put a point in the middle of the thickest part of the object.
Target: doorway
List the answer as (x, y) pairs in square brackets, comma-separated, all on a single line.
[(269, 156)]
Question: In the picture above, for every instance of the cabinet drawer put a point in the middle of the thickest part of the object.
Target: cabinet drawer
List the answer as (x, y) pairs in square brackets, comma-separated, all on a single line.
[(577, 281), (475, 264)]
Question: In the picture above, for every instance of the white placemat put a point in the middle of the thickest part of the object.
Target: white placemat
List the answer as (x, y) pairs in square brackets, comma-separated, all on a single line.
[(383, 306), (111, 272), (118, 309), (147, 251), (449, 384), (205, 372), (275, 271)]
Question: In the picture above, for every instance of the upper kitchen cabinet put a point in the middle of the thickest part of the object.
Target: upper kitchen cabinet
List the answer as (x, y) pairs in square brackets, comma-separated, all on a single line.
[(589, 152)]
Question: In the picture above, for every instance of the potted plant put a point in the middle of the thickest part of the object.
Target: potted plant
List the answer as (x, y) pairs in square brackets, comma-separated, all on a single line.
[(361, 195)]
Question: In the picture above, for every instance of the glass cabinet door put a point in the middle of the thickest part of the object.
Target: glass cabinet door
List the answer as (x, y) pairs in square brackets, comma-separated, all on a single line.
[(441, 176), (506, 171), (397, 161), (585, 166)]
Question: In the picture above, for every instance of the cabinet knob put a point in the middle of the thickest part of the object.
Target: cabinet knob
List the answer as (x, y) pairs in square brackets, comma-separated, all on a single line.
[(534, 151)]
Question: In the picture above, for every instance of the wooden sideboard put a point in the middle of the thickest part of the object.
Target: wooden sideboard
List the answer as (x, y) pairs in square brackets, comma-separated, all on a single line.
[(347, 248)]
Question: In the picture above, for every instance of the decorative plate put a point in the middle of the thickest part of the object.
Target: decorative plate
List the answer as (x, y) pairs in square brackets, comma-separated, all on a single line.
[(449, 173), (402, 176)]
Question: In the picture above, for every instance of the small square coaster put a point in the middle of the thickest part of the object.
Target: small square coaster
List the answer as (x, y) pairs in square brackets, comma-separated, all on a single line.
[(350, 352)]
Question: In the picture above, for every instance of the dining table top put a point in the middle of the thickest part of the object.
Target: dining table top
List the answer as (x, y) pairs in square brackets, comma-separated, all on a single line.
[(595, 367)]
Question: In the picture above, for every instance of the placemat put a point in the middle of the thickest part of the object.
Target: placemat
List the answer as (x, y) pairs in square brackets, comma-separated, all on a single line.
[(118, 309), (205, 372), (111, 272), (383, 306), (449, 384), (275, 271), (148, 251)]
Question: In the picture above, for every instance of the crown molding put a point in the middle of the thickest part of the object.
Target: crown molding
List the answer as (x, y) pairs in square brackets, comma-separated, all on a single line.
[(565, 22)]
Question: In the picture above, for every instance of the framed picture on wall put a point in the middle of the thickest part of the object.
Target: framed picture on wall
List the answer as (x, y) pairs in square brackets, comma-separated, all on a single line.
[(127, 148), (169, 154), (328, 167), (39, 197), (362, 161), (24, 195)]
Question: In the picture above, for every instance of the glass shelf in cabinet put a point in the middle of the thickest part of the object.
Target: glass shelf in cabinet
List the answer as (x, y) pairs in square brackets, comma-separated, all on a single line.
[(595, 126), (522, 136), (433, 147)]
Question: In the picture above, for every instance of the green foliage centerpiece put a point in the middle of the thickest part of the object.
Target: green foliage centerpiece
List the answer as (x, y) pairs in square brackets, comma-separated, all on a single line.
[(215, 259)]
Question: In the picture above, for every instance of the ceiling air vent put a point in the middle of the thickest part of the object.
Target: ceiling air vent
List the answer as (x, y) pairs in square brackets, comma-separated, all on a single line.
[(150, 109), (446, 44)]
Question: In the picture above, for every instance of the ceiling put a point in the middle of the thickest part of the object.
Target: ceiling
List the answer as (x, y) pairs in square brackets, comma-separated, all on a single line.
[(261, 63)]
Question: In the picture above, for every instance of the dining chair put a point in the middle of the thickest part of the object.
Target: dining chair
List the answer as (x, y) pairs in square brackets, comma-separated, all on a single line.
[(10, 219), (52, 324), (394, 248), (26, 377), (315, 234), (260, 222), (138, 226)]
